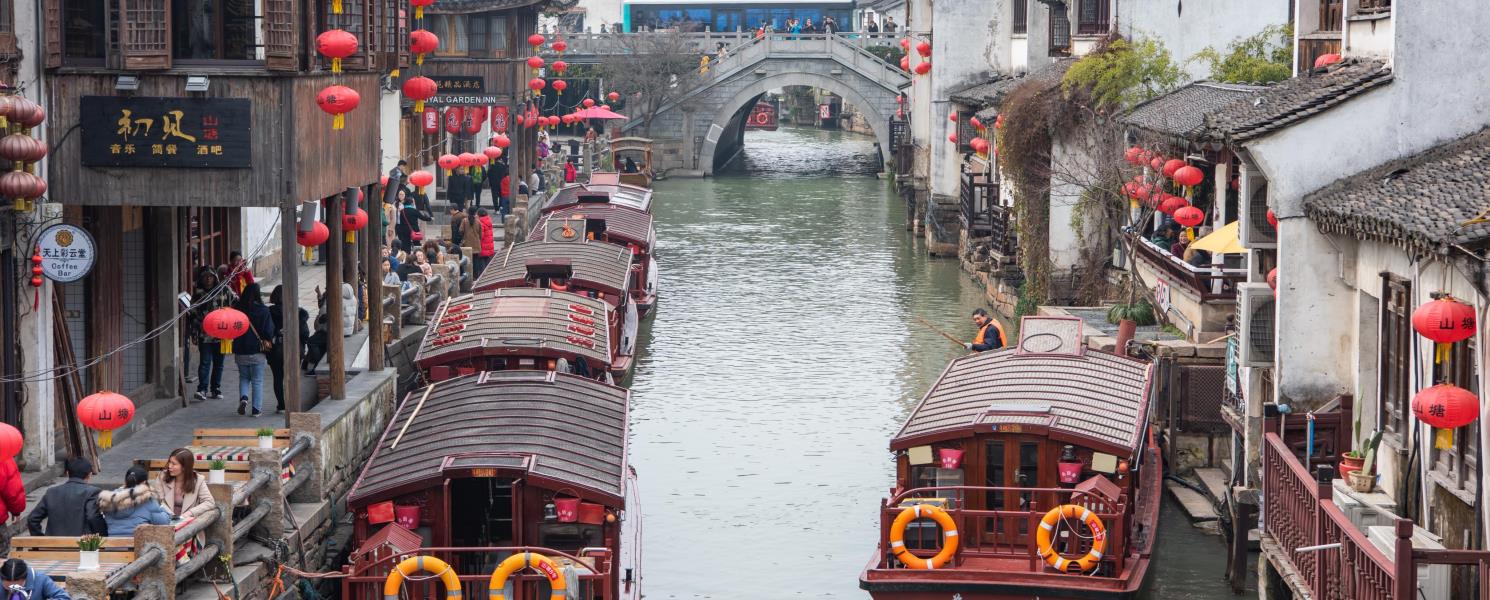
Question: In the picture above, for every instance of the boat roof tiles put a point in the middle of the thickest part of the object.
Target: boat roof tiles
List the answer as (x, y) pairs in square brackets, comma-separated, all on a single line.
[(1421, 201), (1182, 112), (1288, 102), (630, 224), (561, 427), (620, 194), (599, 265), (496, 322), (1095, 395)]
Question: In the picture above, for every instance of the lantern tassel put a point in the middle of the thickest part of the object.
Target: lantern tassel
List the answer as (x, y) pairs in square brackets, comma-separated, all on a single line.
[(335, 65), (1443, 439), (339, 122), (419, 106), (1441, 352), (1190, 233), (336, 6), (351, 237), (393, 74), (105, 439), (418, 12), (419, 59), (225, 347)]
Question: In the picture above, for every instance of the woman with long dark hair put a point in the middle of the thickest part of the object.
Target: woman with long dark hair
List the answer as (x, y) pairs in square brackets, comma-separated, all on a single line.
[(249, 349), (179, 488)]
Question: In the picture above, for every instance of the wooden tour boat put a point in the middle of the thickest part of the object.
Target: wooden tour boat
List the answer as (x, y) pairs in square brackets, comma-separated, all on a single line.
[(1027, 472), (602, 188), (508, 480), (638, 171), (616, 224), (522, 329), (595, 269), (762, 116)]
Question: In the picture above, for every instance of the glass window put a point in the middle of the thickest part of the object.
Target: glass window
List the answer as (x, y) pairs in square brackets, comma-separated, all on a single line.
[(496, 32), (214, 29), (451, 30), (83, 26), (478, 40)]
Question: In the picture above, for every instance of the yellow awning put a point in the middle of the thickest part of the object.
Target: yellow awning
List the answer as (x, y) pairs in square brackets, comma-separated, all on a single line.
[(1221, 241)]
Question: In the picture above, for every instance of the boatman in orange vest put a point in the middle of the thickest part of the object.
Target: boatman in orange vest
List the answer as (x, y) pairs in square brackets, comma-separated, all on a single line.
[(990, 333)]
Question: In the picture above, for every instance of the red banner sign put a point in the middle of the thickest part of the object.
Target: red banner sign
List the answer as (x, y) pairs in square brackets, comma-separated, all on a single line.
[(499, 119), (475, 118), (453, 117), (431, 119)]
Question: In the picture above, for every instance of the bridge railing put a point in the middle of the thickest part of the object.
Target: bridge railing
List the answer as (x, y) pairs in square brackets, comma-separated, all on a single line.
[(610, 44)]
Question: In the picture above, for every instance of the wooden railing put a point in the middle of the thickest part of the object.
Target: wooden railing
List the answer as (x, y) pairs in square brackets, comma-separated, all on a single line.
[(978, 195), (474, 566), (1210, 283)]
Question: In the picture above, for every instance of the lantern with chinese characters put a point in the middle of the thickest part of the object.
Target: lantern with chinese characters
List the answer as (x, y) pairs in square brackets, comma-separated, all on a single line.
[(336, 44), (614, 96), (560, 85), (104, 412), (317, 235), (11, 441), (338, 100), (420, 89), (924, 49), (471, 159), (419, 7), (1445, 321), (354, 222), (1446, 406), (225, 324), (560, 45), (422, 42), (559, 66), (536, 40), (492, 153), (1189, 216), (501, 141), (1171, 166), (923, 68), (448, 162), (1188, 176), (537, 84), (420, 179)]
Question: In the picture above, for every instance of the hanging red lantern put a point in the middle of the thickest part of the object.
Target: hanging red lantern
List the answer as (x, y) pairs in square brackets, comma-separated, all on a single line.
[(104, 412), (1188, 176), (1272, 219), (317, 235), (1445, 321), (614, 96), (1326, 60), (419, 89), (492, 153), (975, 123), (1446, 406), (1156, 163), (471, 159), (559, 45), (22, 185), (11, 441), (421, 179), (952, 117), (336, 44), (1171, 166), (475, 116), (422, 42), (1137, 190), (448, 162), (923, 67), (924, 49), (383, 181), (1172, 204), (535, 62), (419, 7), (905, 63), (952, 137), (338, 100), (353, 222), (501, 141), (28, 113), (559, 66), (905, 44), (588, 102), (1189, 216), (225, 323), (22, 148), (536, 40), (1273, 280), (560, 85), (453, 117), (979, 145), (536, 84), (1133, 155), (567, 119)]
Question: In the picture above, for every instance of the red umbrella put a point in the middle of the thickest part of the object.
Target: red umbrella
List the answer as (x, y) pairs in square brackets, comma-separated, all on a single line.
[(597, 112)]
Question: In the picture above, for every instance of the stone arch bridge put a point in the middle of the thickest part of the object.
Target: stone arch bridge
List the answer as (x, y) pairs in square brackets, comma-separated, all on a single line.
[(708, 121)]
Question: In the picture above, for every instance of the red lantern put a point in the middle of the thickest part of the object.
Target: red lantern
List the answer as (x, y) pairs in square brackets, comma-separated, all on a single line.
[(1171, 166), (924, 49), (22, 185), (419, 7), (1272, 219), (21, 148), (28, 113), (353, 222), (338, 100), (979, 145), (1172, 204), (536, 84), (11, 441), (1188, 176), (453, 117), (448, 162), (420, 89), (952, 117), (560, 45), (1326, 60), (104, 412), (1133, 155), (535, 62), (952, 137), (1136, 190), (1446, 406), (336, 44), (975, 123), (905, 63), (1189, 216), (905, 44), (923, 67), (588, 103), (536, 40), (1156, 163), (422, 42), (431, 119), (559, 85), (614, 96), (383, 181), (421, 178), (559, 66), (501, 141), (1273, 280), (225, 323), (492, 153), (1445, 321), (567, 119), (317, 235), (471, 159)]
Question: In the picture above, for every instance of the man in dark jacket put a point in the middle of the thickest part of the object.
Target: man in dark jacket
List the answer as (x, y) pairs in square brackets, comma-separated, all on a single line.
[(990, 333), (494, 177), (70, 509), (458, 188)]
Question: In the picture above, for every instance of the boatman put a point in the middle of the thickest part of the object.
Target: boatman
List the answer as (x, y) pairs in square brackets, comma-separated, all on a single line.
[(990, 333)]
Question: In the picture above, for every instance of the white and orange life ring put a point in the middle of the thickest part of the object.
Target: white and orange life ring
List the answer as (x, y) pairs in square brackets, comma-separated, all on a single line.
[(949, 537), (427, 564), (1046, 547), (518, 562)]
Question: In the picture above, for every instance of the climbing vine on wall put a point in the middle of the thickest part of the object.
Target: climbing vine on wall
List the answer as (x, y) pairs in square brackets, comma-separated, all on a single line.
[(1023, 142)]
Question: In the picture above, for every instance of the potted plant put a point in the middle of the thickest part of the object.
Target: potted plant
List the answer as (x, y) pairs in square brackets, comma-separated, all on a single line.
[(1356, 465), (266, 438), (218, 472), (88, 546)]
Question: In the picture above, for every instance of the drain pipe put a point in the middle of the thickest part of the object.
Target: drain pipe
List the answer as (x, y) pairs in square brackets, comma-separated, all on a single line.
[(1126, 329)]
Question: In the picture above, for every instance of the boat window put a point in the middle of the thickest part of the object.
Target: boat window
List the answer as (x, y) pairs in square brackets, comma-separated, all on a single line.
[(481, 512), (994, 476), (569, 537), (1028, 476)]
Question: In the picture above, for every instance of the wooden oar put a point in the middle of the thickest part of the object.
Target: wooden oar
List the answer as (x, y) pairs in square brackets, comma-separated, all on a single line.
[(943, 333)]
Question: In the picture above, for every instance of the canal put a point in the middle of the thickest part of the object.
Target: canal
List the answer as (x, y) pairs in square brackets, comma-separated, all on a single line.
[(784, 354)]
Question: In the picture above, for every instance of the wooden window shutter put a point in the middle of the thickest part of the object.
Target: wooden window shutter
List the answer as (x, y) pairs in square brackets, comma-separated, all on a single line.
[(52, 20), (145, 34), (401, 17), (279, 35), (370, 31)]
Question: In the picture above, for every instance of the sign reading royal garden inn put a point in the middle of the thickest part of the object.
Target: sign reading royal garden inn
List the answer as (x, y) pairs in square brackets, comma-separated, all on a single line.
[(166, 132), (461, 90)]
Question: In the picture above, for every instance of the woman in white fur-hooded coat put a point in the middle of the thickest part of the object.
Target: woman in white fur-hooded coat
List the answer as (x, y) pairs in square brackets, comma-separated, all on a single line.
[(132, 505)]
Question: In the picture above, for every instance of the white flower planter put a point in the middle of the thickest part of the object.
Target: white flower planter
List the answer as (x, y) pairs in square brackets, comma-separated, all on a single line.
[(266, 442), (217, 476), (88, 560)]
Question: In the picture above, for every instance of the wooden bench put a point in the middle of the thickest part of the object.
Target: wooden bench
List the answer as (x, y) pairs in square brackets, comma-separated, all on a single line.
[(235, 472), (207, 438), (64, 548)]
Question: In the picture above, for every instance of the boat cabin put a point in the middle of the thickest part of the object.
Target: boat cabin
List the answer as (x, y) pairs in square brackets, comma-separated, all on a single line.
[(1001, 445), (626, 227), (633, 157), (603, 188), (522, 329), (475, 469)]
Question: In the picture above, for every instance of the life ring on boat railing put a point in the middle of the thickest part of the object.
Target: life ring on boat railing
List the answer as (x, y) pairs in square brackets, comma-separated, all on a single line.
[(427, 564), (1047, 548), (518, 562), (949, 536)]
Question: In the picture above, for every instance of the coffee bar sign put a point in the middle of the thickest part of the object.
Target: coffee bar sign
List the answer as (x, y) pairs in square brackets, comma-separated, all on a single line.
[(121, 131), (67, 252)]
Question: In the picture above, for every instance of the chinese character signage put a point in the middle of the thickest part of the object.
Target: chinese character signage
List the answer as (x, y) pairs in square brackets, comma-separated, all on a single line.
[(66, 252), (460, 90), (166, 132)]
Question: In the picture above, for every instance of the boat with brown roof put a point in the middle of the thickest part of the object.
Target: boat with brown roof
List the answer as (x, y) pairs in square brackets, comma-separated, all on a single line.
[(489, 469), (603, 188), (524, 329), (1024, 472), (633, 158), (612, 223)]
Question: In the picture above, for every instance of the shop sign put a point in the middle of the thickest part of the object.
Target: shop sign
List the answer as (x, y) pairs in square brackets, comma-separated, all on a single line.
[(66, 252), (1161, 296), (499, 119), (460, 90), (453, 117), (120, 131), (431, 119), (824, 111), (1233, 360)]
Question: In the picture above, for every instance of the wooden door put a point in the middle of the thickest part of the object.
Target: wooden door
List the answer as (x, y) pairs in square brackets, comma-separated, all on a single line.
[(1010, 462)]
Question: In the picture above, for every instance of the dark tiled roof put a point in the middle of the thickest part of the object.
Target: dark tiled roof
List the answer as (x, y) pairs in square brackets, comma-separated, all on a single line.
[(1290, 101), (990, 94), (1096, 395), (622, 223), (561, 427), (986, 93), (538, 322), (1420, 201), (1182, 112), (621, 194), (594, 265)]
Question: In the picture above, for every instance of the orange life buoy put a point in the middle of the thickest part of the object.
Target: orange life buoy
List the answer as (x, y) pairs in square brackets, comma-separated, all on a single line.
[(1047, 548), (949, 536), (518, 562), (762, 118), (428, 564)]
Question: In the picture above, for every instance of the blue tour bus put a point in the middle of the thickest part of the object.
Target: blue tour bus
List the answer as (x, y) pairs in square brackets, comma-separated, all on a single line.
[(732, 15)]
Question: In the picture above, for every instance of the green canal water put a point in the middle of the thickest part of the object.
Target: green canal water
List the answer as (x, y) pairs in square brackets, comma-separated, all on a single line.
[(784, 354)]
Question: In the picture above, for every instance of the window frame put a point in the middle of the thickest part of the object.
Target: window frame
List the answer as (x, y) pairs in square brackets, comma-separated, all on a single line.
[(448, 36), (1020, 17), (1059, 16), (1101, 18), (1373, 7), (1395, 347)]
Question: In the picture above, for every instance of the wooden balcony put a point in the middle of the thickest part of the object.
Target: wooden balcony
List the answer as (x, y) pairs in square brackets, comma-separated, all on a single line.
[(978, 195), (1337, 559), (1209, 283)]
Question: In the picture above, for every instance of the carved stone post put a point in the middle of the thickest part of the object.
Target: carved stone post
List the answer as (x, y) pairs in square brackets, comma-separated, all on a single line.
[(308, 463), (266, 462), (221, 530), (163, 572)]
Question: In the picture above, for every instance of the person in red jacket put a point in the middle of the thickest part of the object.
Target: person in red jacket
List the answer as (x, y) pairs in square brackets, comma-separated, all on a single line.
[(506, 194), (241, 272), (12, 490), (488, 242)]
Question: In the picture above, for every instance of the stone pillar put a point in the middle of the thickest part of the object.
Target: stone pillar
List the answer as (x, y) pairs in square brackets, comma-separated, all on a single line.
[(87, 585), (163, 572), (310, 462), (221, 530), (35, 334), (273, 524), (165, 254)]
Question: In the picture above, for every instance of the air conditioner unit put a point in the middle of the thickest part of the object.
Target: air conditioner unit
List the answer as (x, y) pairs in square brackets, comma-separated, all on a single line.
[(1256, 306), (1434, 581), (1256, 231)]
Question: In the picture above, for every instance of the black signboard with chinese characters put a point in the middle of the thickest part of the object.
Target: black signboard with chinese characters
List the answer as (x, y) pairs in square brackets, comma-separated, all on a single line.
[(460, 90), (166, 132)]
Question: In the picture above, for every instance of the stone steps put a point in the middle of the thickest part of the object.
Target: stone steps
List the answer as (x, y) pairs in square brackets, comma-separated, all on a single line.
[(1196, 505)]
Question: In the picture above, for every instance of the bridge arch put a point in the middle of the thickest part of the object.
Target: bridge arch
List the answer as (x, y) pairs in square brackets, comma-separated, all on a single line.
[(747, 94)]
